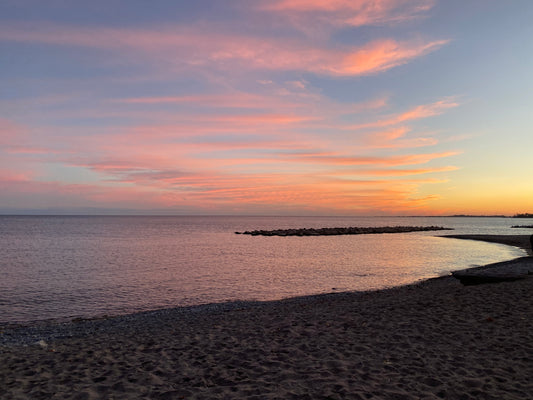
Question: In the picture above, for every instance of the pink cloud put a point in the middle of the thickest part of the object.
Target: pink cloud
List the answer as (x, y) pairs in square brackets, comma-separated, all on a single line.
[(429, 110), (23, 194), (231, 100), (302, 105), (416, 113), (352, 12), (17, 139), (395, 139), (388, 135), (191, 49), (13, 177), (10, 132)]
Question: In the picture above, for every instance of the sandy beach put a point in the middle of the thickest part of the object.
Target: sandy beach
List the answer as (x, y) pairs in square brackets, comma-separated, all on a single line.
[(436, 339)]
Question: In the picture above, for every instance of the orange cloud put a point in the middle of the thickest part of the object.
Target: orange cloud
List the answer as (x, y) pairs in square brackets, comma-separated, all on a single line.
[(382, 55), (397, 172), (299, 193), (336, 159), (389, 135), (204, 190)]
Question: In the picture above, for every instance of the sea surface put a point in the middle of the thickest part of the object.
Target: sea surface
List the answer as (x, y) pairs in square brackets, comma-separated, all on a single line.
[(62, 267)]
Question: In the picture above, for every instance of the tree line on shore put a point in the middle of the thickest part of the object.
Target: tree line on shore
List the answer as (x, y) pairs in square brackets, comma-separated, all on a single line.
[(523, 215)]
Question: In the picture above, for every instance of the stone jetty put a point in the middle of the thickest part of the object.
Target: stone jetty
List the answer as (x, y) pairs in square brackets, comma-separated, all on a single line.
[(342, 231)]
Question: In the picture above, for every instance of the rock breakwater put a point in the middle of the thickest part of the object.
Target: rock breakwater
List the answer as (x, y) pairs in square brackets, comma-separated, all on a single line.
[(342, 231)]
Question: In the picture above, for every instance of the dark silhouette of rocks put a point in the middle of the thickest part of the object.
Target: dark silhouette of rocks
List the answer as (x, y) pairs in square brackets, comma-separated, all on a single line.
[(522, 226), (470, 279), (342, 231)]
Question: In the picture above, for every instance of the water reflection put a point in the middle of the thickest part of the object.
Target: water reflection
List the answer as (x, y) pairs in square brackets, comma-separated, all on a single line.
[(85, 266)]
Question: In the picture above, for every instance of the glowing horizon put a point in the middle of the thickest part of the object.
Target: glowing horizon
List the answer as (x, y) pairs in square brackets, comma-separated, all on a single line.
[(267, 107)]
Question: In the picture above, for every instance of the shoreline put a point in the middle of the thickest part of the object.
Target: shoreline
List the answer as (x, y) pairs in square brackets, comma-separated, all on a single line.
[(27, 333), (520, 241), (432, 339)]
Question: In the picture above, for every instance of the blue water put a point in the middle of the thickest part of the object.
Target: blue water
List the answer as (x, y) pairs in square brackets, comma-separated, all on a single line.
[(69, 266)]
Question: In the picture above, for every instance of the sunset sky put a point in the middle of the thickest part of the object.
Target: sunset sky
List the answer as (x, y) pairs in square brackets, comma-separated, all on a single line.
[(341, 107)]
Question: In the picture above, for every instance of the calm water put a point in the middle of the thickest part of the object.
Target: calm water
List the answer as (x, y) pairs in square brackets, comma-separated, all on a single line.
[(63, 267)]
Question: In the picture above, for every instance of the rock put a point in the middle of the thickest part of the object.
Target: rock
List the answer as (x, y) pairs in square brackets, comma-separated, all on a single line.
[(342, 231)]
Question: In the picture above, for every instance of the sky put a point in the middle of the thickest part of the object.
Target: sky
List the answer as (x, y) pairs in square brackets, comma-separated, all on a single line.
[(266, 107)]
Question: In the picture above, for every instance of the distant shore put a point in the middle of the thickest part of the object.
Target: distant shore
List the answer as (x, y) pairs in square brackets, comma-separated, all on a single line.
[(433, 339)]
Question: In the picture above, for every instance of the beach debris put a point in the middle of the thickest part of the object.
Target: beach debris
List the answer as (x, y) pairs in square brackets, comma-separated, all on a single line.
[(522, 226), (43, 344), (342, 231)]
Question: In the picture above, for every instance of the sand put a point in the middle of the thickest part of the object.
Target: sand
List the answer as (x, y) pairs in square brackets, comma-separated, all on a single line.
[(434, 339)]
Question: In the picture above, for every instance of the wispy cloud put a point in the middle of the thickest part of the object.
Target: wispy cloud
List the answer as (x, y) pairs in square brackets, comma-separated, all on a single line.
[(337, 159), (350, 12), (416, 113), (186, 49), (393, 172), (382, 55)]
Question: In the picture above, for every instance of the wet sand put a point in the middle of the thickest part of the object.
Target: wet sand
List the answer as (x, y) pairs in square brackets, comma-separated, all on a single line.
[(435, 339)]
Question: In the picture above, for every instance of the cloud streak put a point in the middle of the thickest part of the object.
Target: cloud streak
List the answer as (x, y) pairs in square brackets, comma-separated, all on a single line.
[(176, 48), (335, 159), (317, 18), (352, 12)]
